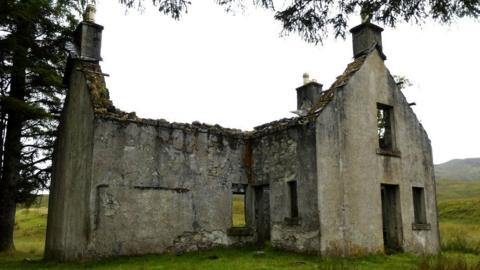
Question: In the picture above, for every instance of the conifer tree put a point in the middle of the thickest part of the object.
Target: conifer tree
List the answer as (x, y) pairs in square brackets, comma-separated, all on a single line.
[(314, 19), (32, 38)]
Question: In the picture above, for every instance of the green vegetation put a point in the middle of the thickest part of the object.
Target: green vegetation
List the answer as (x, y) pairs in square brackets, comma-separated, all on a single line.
[(459, 213), (449, 262), (314, 20), (41, 201), (464, 211), (459, 209), (30, 228), (238, 210), (238, 258), (464, 238), (457, 189)]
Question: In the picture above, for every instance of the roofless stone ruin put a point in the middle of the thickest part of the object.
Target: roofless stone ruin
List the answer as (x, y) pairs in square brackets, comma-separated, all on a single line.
[(352, 175)]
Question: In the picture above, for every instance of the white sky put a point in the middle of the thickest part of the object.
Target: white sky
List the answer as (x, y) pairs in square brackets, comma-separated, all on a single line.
[(236, 71)]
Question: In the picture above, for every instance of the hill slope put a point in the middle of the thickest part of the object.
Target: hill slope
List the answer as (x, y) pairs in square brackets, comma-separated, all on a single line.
[(459, 169)]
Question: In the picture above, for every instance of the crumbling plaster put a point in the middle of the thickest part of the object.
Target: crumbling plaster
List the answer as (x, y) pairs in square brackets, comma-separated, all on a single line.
[(124, 185), (353, 183)]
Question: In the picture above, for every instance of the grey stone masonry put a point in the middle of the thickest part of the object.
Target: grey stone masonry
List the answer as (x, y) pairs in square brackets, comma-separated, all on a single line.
[(353, 176)]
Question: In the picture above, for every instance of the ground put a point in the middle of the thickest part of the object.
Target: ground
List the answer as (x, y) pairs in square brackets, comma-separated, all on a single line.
[(459, 225)]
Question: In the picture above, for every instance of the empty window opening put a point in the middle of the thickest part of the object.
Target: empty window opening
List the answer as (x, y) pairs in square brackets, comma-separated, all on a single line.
[(238, 205), (384, 126), (292, 190), (419, 205)]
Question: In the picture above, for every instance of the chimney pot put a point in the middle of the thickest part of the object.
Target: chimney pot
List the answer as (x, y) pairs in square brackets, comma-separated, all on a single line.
[(306, 78), (89, 14)]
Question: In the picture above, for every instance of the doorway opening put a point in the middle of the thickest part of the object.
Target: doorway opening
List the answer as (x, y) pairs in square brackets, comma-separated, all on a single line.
[(391, 217)]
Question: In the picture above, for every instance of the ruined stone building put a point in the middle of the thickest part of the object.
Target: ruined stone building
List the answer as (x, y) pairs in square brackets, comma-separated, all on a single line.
[(353, 175)]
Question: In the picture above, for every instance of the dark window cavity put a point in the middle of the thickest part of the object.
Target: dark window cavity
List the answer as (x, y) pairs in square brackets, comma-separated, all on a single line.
[(292, 190), (384, 126), (419, 205), (238, 205)]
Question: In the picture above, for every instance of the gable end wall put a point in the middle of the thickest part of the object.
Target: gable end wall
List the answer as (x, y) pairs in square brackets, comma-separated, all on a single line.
[(363, 170)]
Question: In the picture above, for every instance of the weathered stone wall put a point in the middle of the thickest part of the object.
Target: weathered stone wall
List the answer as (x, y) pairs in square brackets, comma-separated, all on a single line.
[(279, 157), (363, 168), (330, 194), (161, 186), (127, 186), (68, 208)]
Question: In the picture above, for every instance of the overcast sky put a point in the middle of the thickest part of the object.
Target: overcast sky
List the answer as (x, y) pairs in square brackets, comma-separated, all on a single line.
[(237, 71)]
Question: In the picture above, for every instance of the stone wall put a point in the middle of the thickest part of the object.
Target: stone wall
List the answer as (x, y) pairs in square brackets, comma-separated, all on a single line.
[(282, 156), (330, 193), (127, 186), (364, 168), (123, 185), (68, 216), (160, 187)]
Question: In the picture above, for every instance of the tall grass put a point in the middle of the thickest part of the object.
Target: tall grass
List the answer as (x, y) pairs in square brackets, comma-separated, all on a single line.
[(459, 213), (442, 262), (463, 238), (465, 211)]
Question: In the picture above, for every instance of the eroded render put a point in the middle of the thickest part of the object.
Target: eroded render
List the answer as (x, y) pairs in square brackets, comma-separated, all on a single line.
[(352, 175)]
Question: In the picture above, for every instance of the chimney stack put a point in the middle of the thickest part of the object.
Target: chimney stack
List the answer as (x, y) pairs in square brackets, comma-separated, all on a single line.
[(365, 36), (88, 36), (308, 94)]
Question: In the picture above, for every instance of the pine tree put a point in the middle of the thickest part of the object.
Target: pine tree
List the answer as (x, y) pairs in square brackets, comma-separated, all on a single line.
[(315, 19), (32, 38)]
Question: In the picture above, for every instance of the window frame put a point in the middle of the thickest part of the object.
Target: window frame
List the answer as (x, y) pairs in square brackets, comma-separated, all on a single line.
[(419, 206), (389, 127), (293, 198), (293, 218), (420, 221), (391, 149)]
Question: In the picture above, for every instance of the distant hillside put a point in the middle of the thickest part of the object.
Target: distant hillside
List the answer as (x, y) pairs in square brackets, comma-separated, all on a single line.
[(459, 169)]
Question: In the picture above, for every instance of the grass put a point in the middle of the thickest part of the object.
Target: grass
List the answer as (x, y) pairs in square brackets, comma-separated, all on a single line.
[(30, 229), (459, 213), (449, 262), (465, 211), (238, 210), (459, 226), (239, 258), (457, 189), (463, 238)]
